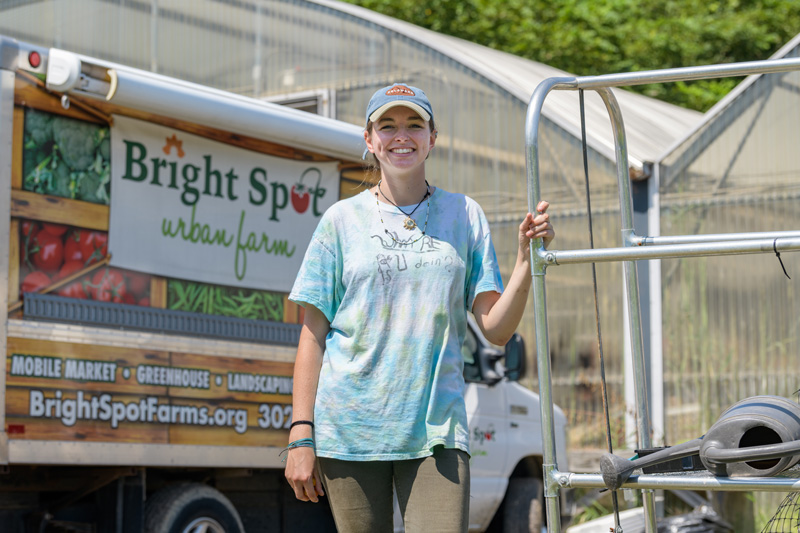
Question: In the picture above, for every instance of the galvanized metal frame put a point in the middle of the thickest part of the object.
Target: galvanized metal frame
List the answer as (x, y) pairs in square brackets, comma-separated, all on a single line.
[(633, 248)]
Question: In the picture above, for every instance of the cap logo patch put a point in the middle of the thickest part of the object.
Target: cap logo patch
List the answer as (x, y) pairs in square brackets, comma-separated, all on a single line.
[(400, 90)]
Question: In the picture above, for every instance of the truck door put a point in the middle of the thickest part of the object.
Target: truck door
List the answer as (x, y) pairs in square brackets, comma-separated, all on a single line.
[(488, 426)]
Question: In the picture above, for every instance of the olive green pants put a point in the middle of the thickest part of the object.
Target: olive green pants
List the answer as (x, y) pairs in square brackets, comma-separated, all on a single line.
[(433, 493)]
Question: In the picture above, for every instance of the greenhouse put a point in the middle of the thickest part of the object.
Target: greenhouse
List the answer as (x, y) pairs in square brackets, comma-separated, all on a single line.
[(730, 324), (328, 57)]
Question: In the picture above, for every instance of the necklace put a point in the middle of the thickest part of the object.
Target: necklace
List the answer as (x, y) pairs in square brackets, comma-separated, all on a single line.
[(408, 215), (409, 223)]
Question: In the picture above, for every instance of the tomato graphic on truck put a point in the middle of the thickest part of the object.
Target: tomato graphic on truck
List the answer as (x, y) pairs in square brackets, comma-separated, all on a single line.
[(300, 198), (301, 193)]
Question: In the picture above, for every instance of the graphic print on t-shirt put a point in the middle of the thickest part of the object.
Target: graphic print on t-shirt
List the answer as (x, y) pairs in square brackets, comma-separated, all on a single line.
[(425, 253)]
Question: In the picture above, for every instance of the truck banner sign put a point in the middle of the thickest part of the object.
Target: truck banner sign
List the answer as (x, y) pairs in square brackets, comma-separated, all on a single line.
[(62, 391), (184, 206)]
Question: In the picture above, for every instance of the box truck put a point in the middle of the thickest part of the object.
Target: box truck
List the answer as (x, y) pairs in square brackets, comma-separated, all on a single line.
[(152, 229)]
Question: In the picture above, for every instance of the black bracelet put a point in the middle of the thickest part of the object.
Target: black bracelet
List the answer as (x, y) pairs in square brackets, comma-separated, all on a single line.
[(299, 422)]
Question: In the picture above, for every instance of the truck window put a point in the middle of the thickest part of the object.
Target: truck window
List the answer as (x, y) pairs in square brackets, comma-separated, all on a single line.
[(319, 101)]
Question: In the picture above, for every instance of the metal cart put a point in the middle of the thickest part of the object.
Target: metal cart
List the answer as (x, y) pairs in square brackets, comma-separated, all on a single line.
[(634, 248)]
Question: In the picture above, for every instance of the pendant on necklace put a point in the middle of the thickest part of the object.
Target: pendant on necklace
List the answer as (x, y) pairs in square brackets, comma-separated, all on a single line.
[(409, 223)]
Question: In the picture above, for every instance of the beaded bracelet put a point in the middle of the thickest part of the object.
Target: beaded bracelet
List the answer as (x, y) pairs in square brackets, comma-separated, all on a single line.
[(301, 443)]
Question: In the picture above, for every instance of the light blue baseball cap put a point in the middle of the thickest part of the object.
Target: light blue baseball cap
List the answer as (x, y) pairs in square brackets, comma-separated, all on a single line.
[(395, 95)]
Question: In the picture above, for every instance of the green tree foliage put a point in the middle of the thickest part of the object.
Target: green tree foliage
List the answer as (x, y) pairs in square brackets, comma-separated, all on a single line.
[(589, 37)]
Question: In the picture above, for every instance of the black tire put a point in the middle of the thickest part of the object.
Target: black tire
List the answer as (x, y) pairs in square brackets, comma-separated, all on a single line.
[(188, 507), (523, 508)]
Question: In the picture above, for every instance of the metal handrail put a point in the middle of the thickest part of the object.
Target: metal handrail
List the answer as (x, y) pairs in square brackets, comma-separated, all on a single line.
[(633, 248)]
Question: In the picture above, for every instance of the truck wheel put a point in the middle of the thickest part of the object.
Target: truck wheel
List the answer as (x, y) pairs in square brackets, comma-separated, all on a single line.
[(523, 509), (190, 508)]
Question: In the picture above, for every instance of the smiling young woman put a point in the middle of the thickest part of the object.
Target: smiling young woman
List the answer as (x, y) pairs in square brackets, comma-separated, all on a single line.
[(387, 282)]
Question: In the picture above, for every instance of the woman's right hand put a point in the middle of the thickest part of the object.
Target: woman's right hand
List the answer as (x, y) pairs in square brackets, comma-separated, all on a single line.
[(303, 475)]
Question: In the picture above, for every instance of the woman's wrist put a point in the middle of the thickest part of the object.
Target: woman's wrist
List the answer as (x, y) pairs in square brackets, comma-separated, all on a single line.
[(301, 428), (301, 423), (299, 443), (300, 432), (523, 259)]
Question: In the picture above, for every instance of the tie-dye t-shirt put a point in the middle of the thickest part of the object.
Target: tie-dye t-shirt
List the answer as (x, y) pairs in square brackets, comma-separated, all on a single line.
[(391, 384)]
